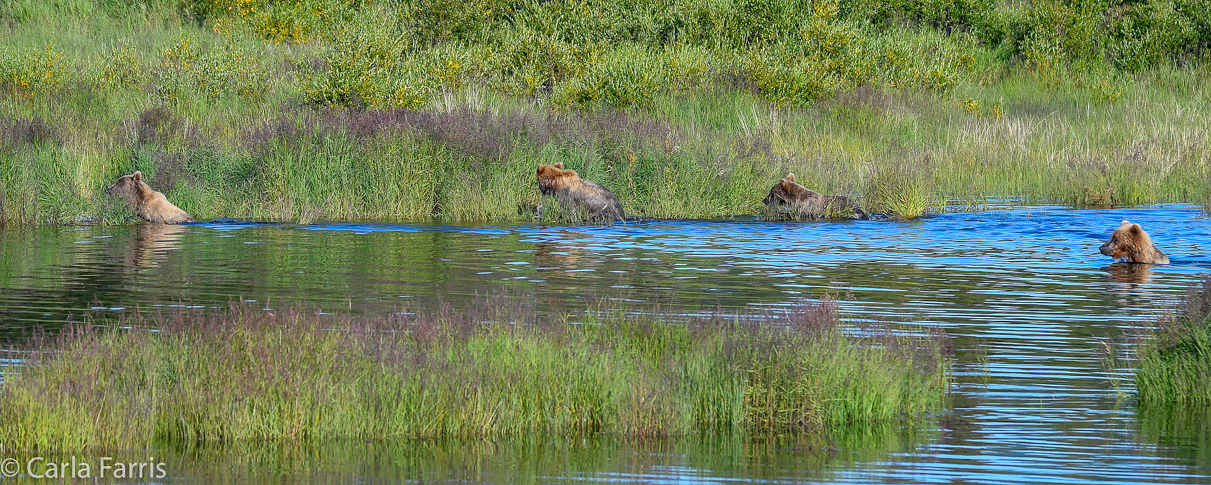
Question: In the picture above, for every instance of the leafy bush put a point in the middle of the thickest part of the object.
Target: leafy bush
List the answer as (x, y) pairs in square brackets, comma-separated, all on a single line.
[(792, 52), (632, 76), (370, 66), (212, 72), (946, 15), (32, 73), (279, 20), (119, 66)]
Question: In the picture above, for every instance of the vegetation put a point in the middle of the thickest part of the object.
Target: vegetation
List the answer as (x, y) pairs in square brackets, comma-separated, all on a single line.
[(497, 368), (1175, 358), (408, 110)]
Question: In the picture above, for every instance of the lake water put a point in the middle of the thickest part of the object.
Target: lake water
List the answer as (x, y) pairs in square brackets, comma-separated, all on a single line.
[(1024, 294)]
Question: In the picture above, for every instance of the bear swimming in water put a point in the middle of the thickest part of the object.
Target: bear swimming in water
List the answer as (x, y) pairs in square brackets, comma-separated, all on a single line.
[(1130, 244), (148, 204), (789, 200), (569, 189)]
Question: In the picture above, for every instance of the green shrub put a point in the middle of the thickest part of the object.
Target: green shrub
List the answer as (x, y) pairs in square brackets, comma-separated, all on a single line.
[(119, 66), (210, 71), (633, 76), (278, 20), (1151, 34), (33, 73), (946, 15), (370, 65), (528, 62)]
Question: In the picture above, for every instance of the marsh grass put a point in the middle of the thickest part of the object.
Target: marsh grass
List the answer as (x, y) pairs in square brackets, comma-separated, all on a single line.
[(256, 110), (496, 368), (1174, 360), (473, 158), (903, 191)]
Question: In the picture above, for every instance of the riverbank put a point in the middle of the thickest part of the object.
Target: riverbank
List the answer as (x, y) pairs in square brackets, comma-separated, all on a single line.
[(493, 369), (331, 110)]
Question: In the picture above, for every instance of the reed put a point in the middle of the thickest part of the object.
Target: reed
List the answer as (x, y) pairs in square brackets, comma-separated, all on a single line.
[(496, 368)]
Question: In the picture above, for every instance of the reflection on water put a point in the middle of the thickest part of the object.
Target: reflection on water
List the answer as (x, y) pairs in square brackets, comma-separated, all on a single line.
[(1024, 294), (701, 459), (153, 242), (1179, 433), (1134, 275)]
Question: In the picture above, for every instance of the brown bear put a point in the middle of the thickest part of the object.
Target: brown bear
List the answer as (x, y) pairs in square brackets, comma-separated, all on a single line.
[(148, 204), (1130, 244), (789, 200), (570, 190)]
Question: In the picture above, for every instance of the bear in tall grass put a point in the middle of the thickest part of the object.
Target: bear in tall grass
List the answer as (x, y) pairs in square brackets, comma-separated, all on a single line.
[(789, 200), (148, 204), (566, 186), (1130, 244)]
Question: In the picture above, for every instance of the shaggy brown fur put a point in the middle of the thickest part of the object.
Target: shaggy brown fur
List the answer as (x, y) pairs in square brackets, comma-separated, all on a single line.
[(569, 189), (1130, 244), (789, 200), (148, 204)]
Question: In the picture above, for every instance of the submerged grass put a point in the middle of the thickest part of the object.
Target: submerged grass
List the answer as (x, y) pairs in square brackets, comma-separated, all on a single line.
[(1175, 358), (495, 369)]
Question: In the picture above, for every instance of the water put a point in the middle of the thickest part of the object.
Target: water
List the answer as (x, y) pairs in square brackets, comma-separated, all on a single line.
[(1024, 294)]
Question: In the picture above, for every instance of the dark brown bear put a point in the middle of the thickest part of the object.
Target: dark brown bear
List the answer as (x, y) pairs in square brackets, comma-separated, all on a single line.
[(148, 204), (1130, 244), (570, 190), (789, 200)]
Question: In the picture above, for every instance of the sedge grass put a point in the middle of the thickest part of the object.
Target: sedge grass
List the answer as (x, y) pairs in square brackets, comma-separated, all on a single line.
[(1174, 365), (246, 374)]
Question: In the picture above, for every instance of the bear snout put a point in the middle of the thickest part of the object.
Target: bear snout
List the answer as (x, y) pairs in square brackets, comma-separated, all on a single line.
[(1107, 249)]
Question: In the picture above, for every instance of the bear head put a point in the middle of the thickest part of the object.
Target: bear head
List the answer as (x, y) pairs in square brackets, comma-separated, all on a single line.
[(553, 177), (1130, 244), (128, 185), (786, 191)]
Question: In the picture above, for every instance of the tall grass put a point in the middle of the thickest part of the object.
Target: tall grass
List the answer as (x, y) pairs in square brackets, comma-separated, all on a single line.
[(1175, 359), (341, 109), (494, 369)]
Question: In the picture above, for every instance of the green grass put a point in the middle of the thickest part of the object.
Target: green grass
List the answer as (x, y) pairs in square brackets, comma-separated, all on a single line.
[(1175, 359), (496, 369), (408, 111)]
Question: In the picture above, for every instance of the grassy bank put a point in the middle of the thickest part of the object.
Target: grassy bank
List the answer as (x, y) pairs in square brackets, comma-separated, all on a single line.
[(496, 369), (1175, 359), (348, 110)]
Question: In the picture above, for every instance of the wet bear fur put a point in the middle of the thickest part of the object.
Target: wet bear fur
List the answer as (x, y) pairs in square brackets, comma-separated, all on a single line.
[(566, 186), (789, 200), (1130, 244), (148, 204)]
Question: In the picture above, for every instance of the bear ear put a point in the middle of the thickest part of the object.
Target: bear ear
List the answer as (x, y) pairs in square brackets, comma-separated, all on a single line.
[(137, 175), (790, 177), (559, 165), (539, 170), (1136, 229), (785, 185), (1125, 223)]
